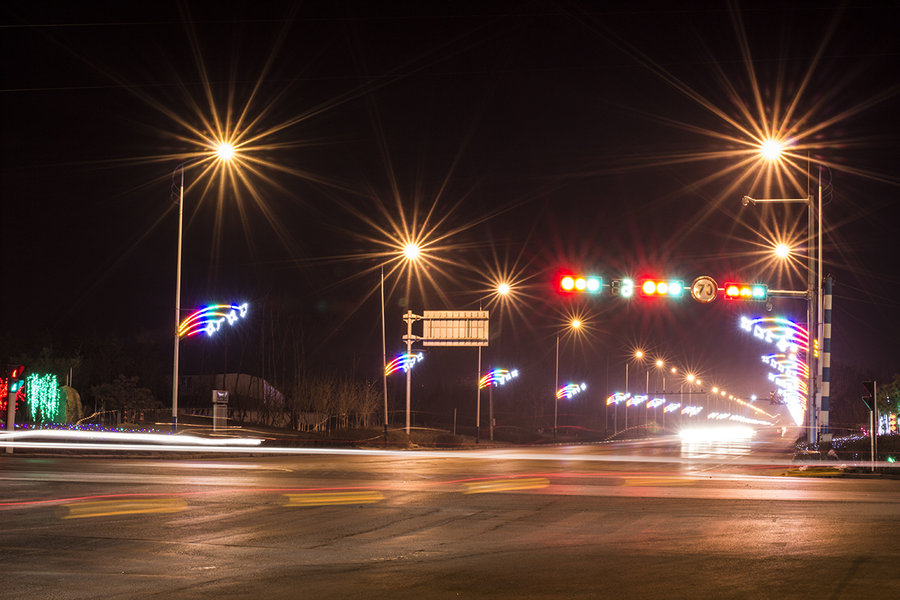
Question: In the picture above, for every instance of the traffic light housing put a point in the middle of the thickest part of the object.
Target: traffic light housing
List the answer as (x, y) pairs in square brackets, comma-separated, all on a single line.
[(668, 288), (580, 284), (746, 291)]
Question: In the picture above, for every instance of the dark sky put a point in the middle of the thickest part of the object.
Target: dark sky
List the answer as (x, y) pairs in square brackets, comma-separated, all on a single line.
[(526, 137)]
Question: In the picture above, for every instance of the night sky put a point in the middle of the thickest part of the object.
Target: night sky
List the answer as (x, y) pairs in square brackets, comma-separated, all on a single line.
[(520, 139)]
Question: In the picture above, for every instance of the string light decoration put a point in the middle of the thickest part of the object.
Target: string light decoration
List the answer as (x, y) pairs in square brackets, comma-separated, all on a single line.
[(404, 361), (567, 391), (209, 320), (497, 377), (45, 398), (791, 368)]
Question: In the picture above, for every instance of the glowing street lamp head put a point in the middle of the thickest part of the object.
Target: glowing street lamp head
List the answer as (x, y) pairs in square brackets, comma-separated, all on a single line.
[(503, 289), (691, 377), (224, 151), (771, 149), (576, 323), (660, 363), (782, 250), (639, 354), (411, 251)]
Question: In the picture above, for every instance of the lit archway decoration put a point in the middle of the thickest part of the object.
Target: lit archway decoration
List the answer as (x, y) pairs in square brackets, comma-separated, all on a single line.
[(209, 320)]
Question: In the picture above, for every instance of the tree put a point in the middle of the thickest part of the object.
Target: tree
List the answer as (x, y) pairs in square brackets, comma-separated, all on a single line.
[(126, 395)]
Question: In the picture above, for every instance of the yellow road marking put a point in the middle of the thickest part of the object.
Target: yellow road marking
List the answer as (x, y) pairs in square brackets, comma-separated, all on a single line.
[(814, 472), (333, 498), (506, 485), (109, 508), (656, 481)]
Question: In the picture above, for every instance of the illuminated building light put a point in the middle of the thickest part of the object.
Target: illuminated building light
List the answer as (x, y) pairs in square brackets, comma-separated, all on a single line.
[(567, 391), (404, 361), (209, 320)]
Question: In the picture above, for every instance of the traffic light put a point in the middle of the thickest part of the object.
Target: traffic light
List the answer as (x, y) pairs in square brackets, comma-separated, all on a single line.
[(892, 423), (650, 288), (580, 284), (746, 291)]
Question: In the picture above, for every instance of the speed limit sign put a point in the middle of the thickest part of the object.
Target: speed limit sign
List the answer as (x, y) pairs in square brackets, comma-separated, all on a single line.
[(704, 289)]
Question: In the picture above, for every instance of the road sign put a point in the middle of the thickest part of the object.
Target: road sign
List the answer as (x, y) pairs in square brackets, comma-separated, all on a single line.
[(455, 328), (870, 387), (704, 289)]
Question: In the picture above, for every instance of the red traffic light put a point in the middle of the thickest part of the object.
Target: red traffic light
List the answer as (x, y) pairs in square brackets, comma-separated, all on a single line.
[(649, 288), (746, 291), (575, 284), (16, 371)]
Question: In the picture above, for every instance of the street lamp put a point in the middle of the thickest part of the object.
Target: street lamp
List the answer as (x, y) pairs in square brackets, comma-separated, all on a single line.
[(502, 290), (813, 292), (638, 354), (411, 253), (574, 325), (223, 152)]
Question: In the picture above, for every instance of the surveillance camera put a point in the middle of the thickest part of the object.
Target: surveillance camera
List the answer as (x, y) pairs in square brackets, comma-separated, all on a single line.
[(746, 200), (769, 306)]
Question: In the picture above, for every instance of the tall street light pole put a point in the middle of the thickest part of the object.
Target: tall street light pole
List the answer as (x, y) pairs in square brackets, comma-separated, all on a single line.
[(384, 358), (177, 304), (224, 153), (574, 324), (556, 387), (813, 295), (411, 253)]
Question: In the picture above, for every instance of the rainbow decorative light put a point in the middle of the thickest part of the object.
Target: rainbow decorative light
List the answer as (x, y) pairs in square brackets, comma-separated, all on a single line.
[(672, 407), (691, 411), (791, 372), (209, 320), (618, 397), (497, 377), (567, 391), (636, 400), (655, 402), (404, 361)]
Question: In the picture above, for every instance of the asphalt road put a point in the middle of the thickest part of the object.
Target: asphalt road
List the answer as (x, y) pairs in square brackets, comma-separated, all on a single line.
[(631, 520)]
